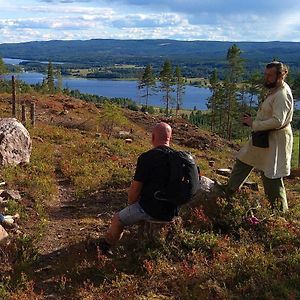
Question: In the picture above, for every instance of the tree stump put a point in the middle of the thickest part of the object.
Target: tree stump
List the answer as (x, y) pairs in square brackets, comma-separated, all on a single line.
[(158, 230)]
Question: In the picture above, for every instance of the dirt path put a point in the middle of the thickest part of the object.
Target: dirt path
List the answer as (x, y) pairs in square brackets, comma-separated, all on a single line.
[(62, 220), (63, 247)]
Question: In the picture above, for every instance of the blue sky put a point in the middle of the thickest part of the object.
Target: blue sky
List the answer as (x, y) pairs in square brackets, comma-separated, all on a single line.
[(223, 20)]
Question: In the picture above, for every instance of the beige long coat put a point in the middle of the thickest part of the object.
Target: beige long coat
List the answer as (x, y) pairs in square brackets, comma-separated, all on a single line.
[(275, 112)]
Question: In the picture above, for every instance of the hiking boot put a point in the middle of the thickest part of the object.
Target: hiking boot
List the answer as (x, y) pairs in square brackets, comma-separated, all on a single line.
[(105, 248), (102, 245), (220, 189)]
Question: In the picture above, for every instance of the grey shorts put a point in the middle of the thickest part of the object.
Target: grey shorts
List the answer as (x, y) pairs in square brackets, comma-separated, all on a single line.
[(133, 214)]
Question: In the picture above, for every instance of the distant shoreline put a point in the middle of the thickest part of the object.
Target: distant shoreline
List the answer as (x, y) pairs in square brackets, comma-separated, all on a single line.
[(194, 96)]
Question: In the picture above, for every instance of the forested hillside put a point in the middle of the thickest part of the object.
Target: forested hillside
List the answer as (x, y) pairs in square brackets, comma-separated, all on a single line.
[(141, 52)]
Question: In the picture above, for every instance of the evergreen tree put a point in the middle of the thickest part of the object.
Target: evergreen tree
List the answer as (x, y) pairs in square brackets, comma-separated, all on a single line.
[(111, 117), (180, 88), (296, 87), (147, 83), (50, 78), (44, 86), (254, 88), (3, 69), (236, 63), (166, 84), (59, 80), (235, 71), (214, 99)]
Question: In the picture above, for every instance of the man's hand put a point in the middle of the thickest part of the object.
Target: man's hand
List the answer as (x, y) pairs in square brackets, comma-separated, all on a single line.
[(134, 191), (247, 120)]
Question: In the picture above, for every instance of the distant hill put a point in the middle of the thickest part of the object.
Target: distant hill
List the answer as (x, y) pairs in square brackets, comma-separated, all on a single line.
[(97, 52)]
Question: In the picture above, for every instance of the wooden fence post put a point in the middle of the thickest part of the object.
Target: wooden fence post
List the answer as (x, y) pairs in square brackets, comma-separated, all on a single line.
[(24, 113), (32, 113), (13, 85)]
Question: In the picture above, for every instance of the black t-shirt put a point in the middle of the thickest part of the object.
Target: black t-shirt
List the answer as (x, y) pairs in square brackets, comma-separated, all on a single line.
[(153, 171)]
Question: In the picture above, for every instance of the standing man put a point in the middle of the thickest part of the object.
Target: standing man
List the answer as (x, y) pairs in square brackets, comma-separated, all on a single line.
[(152, 174), (275, 114)]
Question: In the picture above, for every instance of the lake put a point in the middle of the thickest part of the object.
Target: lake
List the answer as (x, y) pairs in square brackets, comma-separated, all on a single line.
[(194, 96)]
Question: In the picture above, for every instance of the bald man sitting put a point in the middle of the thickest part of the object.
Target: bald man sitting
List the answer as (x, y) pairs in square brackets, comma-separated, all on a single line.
[(152, 173)]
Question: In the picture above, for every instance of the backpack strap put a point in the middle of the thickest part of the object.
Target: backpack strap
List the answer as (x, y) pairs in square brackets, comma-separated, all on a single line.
[(165, 149), (158, 195)]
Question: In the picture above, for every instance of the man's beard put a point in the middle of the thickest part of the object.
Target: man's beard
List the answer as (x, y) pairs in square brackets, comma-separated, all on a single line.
[(270, 85)]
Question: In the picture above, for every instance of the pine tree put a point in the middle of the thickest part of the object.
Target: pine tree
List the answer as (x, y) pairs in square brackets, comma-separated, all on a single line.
[(296, 87), (180, 88), (111, 117), (147, 83), (166, 84), (212, 103), (50, 78), (255, 88), (235, 71), (44, 86), (59, 80), (3, 69), (236, 63)]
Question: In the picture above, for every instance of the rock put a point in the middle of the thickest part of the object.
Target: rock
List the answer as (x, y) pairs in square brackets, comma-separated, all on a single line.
[(3, 234), (207, 197), (128, 141), (206, 184), (124, 134), (211, 195), (224, 172), (15, 142), (211, 163), (7, 194)]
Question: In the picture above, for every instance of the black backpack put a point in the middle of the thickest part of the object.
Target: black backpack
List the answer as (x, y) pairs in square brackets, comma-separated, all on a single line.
[(183, 180)]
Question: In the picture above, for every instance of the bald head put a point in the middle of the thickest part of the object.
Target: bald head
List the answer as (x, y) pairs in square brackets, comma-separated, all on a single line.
[(161, 134)]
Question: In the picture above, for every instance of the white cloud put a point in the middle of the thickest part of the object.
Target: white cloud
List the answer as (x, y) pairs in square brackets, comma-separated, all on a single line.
[(150, 20), (60, 9), (135, 19), (47, 23)]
